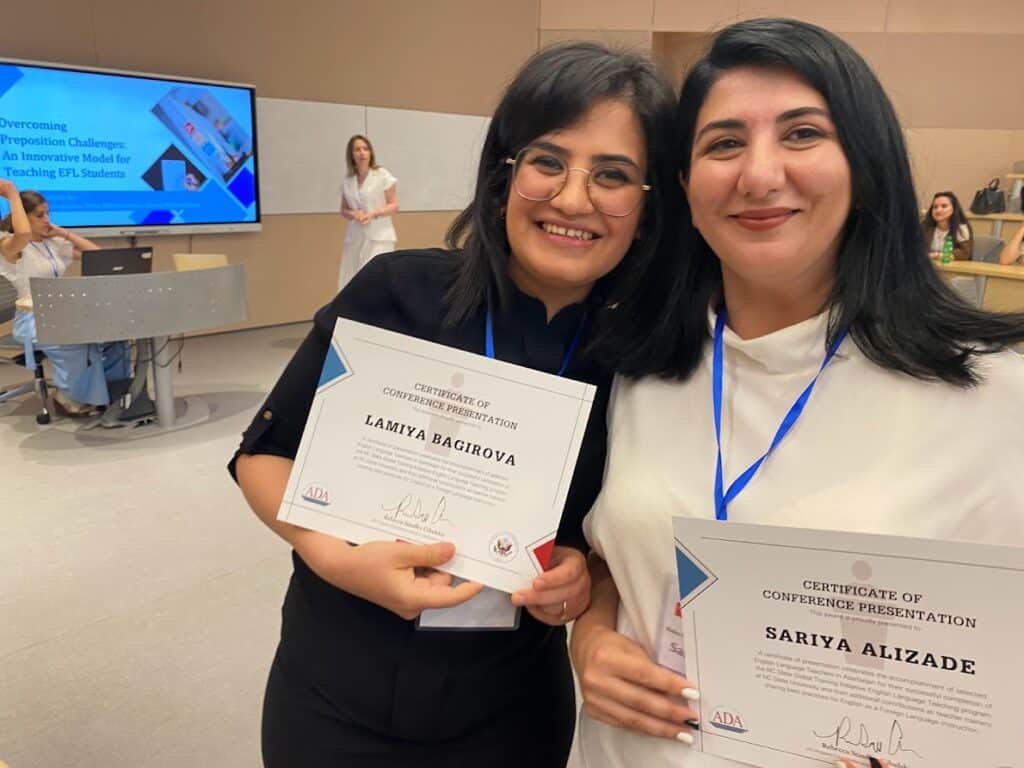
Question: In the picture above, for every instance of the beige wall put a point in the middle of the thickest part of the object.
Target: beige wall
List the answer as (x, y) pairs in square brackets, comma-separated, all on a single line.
[(438, 56), (962, 127), (456, 55)]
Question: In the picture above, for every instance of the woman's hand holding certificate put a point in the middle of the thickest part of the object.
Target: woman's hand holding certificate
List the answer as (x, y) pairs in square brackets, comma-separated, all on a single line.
[(623, 687), (393, 574), (424, 443), (562, 593)]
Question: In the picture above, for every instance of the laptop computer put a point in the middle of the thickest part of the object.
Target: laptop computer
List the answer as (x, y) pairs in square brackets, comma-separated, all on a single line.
[(117, 261)]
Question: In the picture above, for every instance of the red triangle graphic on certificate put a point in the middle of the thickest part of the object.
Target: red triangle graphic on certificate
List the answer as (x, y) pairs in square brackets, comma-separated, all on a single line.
[(542, 553)]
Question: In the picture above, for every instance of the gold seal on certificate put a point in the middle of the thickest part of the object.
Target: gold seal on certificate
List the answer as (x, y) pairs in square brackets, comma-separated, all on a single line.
[(809, 646), (416, 441)]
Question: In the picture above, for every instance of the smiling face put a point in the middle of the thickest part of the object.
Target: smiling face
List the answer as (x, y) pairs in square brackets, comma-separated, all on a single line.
[(942, 209), (769, 184), (562, 246)]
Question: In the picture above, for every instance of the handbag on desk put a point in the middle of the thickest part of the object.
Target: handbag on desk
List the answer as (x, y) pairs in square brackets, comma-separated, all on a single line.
[(989, 199)]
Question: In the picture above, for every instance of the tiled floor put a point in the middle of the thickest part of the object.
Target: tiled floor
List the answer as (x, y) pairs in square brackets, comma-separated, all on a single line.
[(139, 597)]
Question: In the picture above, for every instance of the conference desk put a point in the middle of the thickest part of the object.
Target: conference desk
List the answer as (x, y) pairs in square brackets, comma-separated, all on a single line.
[(1003, 286), (149, 308)]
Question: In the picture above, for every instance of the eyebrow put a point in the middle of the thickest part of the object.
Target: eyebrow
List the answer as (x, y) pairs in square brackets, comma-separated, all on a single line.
[(732, 124), (604, 158)]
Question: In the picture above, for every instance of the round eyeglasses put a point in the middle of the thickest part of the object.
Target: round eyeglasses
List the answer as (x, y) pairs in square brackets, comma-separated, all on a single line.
[(615, 188)]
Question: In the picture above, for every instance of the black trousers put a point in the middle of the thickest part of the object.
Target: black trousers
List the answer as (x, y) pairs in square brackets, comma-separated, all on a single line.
[(302, 729)]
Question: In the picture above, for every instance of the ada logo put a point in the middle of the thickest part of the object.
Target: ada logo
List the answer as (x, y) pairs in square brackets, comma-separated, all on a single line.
[(504, 547), (728, 719), (318, 494)]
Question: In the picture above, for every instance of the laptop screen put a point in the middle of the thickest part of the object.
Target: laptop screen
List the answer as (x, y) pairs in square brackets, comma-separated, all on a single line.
[(117, 261)]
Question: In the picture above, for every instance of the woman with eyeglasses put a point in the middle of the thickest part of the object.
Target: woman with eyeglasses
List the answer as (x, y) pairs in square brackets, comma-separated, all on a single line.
[(545, 269)]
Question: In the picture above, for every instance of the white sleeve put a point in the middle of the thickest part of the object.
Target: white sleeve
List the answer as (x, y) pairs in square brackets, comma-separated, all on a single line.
[(388, 181), (7, 268)]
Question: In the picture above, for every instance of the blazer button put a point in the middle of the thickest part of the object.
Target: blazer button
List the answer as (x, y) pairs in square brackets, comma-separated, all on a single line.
[(268, 415)]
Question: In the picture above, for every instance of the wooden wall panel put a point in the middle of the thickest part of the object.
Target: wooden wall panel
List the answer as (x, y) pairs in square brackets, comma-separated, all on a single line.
[(617, 38), (441, 56), (694, 15), (960, 160), (934, 80), (836, 15), (596, 14), (48, 30), (996, 17)]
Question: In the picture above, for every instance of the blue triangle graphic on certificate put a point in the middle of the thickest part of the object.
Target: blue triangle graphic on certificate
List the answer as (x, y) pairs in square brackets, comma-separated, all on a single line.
[(694, 578), (334, 367)]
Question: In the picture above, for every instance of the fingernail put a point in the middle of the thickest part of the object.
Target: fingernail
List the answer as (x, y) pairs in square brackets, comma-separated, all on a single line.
[(875, 762), (839, 764), (684, 737), (690, 693), (693, 723)]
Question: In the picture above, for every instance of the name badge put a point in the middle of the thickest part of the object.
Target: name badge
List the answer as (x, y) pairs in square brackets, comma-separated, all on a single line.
[(491, 610), (670, 651)]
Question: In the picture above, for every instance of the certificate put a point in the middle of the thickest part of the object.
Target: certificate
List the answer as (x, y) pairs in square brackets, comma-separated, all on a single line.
[(808, 646), (414, 441)]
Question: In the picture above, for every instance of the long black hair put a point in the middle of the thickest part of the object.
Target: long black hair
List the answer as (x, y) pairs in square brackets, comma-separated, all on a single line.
[(886, 292), (553, 90), (957, 220)]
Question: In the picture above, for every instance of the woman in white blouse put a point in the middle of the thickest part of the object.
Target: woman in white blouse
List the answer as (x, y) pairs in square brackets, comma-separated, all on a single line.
[(368, 198), (945, 216), (33, 246), (800, 252)]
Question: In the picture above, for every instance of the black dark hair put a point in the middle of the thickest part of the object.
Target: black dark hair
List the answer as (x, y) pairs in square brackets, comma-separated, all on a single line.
[(553, 90), (957, 220), (886, 292), (31, 200)]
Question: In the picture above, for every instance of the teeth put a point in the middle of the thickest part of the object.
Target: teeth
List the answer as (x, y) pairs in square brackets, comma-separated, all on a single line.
[(579, 234)]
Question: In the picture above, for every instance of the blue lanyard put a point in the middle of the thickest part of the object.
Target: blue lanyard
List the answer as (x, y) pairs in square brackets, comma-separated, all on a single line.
[(722, 500), (50, 256), (489, 341)]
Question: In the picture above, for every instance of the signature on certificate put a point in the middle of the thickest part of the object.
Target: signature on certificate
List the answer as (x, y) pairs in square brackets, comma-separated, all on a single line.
[(410, 509), (844, 734)]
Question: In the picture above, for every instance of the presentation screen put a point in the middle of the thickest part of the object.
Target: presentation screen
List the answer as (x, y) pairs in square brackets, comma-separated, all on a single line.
[(124, 154)]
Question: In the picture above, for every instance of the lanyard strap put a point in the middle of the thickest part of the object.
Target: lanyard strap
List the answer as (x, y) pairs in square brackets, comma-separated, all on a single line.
[(722, 499), (489, 341), (49, 255)]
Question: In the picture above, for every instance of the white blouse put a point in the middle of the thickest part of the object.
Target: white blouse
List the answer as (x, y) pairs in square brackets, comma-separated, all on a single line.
[(369, 196), (874, 451), (45, 258), (963, 234)]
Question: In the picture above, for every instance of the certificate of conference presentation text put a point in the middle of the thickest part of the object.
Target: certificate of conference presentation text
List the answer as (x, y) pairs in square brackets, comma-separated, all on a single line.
[(809, 646), (415, 441)]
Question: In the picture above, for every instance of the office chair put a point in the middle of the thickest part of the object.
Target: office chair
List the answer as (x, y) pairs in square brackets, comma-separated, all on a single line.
[(38, 383), (987, 250)]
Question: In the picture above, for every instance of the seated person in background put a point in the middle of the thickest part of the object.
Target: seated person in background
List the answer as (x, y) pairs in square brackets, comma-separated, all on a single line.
[(1013, 253), (32, 246), (944, 216)]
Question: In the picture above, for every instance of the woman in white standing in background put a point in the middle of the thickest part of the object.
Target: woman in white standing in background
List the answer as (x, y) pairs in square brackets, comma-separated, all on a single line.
[(368, 198)]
